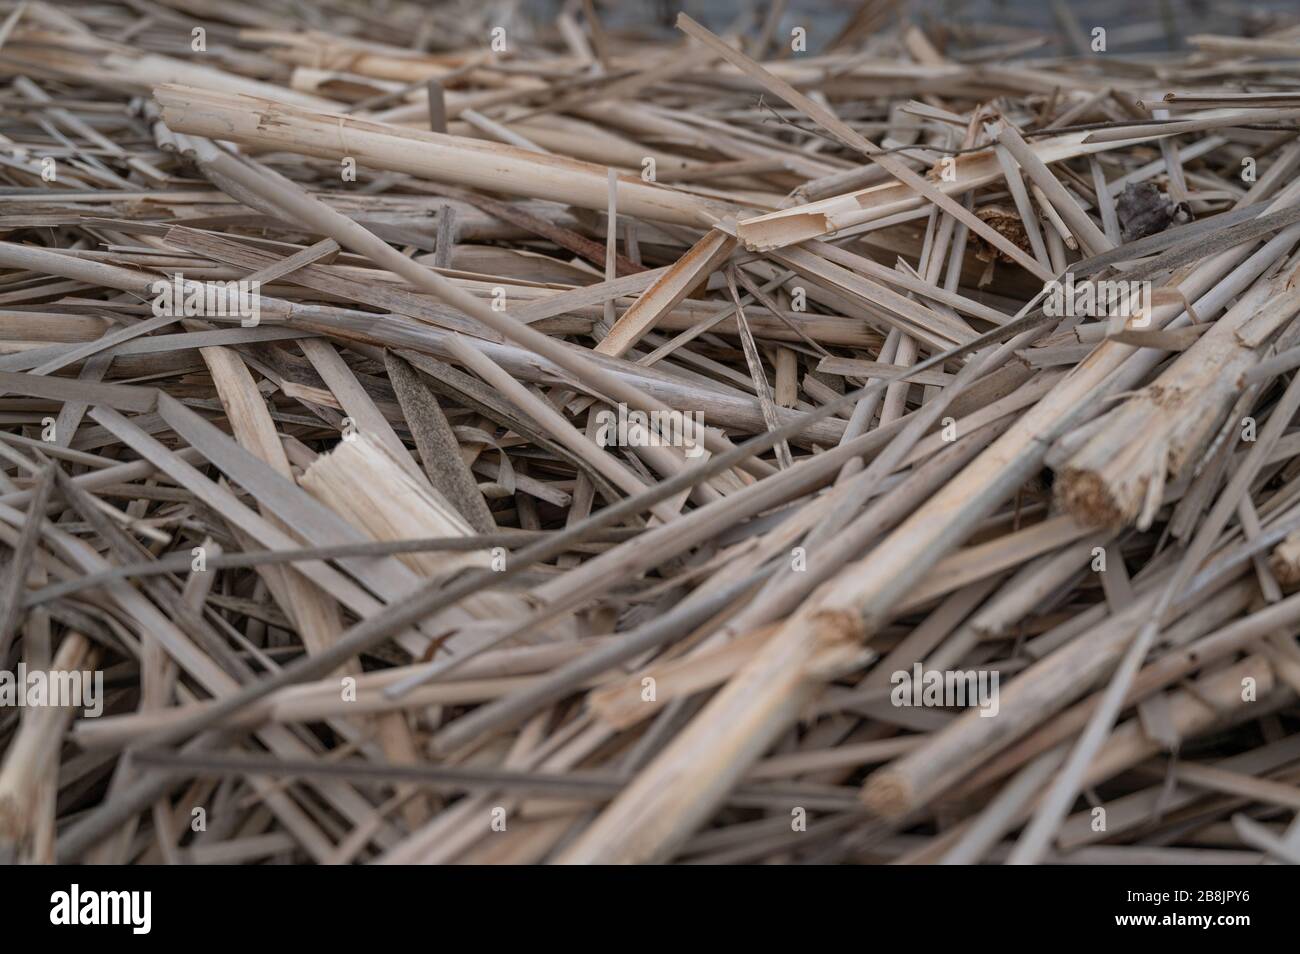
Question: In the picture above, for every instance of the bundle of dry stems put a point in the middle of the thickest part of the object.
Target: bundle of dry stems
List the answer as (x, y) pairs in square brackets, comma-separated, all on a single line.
[(369, 581)]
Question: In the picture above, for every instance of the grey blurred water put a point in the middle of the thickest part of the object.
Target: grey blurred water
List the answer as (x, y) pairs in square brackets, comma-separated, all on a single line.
[(1132, 25)]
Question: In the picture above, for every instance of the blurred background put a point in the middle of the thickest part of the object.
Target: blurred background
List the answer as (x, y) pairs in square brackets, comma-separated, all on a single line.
[(1132, 25)]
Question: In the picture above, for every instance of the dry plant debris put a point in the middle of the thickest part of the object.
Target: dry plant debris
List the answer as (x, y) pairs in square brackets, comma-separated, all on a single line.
[(431, 436)]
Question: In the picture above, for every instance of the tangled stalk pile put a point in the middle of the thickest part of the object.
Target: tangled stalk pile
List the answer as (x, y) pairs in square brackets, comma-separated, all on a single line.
[(450, 439)]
